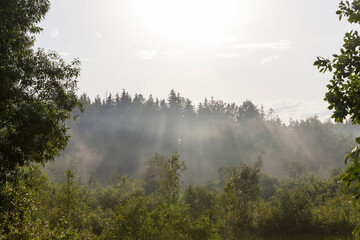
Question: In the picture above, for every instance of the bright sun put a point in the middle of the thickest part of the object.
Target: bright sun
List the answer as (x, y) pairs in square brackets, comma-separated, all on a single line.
[(189, 21)]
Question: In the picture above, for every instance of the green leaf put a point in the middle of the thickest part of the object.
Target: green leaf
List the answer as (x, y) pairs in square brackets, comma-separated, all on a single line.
[(352, 177)]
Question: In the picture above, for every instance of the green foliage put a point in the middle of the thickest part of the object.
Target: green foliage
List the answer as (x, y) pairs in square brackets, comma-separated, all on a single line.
[(291, 211), (68, 201), (19, 206), (245, 183), (33, 207), (268, 186), (118, 190), (37, 90), (200, 201), (237, 204), (335, 216), (17, 200), (163, 176), (297, 170), (171, 180), (351, 180), (153, 173), (248, 111), (132, 221), (171, 222), (343, 95)]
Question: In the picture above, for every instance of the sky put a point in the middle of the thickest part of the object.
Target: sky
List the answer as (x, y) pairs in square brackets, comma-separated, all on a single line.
[(233, 50)]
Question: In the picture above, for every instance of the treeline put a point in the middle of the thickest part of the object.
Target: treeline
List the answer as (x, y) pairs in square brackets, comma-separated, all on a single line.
[(241, 203), (175, 105), (118, 133)]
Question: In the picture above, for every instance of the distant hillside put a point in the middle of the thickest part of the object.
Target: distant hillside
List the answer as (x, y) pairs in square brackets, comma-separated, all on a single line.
[(119, 133)]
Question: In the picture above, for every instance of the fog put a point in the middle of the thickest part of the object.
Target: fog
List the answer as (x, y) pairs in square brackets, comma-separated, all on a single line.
[(118, 134)]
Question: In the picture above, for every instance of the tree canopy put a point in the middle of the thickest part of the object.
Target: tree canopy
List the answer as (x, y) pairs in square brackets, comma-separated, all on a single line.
[(37, 89), (343, 90), (343, 94)]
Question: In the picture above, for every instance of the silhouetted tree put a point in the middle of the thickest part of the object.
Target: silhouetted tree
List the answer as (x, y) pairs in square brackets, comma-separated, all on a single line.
[(248, 111)]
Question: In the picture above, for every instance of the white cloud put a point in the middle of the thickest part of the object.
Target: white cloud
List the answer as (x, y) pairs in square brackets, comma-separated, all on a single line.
[(217, 40), (64, 54), (87, 59), (269, 59), (98, 35), (150, 53), (276, 46), (227, 55), (147, 54), (296, 109), (55, 33)]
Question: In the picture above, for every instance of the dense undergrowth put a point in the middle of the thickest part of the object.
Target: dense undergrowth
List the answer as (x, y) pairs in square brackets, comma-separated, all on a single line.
[(243, 203)]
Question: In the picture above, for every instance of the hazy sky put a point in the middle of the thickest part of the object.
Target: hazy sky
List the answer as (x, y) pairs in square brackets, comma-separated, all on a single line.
[(231, 49)]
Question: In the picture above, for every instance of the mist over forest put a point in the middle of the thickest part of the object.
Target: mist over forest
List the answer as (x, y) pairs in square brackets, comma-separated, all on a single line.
[(118, 134), (137, 167)]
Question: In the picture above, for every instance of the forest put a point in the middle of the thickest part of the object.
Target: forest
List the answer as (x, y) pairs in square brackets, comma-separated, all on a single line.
[(246, 175), (133, 167), (118, 134), (241, 203)]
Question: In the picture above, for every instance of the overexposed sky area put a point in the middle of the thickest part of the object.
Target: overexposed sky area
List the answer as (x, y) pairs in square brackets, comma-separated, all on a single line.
[(233, 50)]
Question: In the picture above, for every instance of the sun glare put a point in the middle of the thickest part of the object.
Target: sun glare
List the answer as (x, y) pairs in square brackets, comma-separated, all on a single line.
[(189, 21)]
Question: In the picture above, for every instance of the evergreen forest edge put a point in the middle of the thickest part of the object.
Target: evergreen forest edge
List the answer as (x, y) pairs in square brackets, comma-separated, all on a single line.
[(240, 201)]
